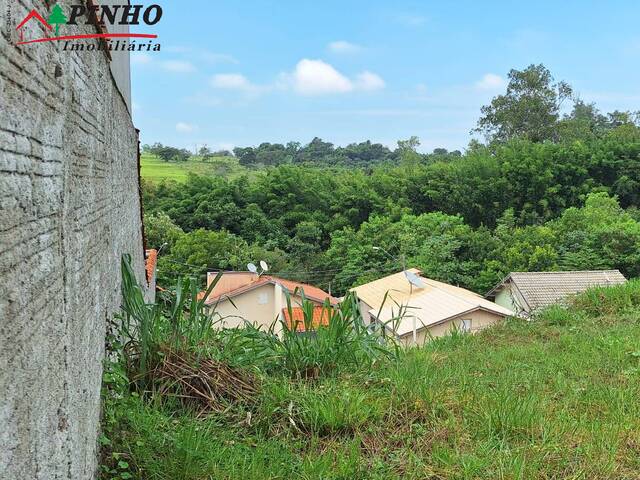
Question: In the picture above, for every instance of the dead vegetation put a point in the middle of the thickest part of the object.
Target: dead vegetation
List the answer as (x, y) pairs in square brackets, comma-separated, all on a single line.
[(203, 384)]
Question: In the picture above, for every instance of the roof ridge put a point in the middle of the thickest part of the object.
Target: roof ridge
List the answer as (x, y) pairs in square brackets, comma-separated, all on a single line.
[(460, 297), (568, 271)]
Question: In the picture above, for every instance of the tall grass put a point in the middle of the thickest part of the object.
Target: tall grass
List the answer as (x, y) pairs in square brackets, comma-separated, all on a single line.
[(180, 322), (344, 341), (550, 399), (609, 300)]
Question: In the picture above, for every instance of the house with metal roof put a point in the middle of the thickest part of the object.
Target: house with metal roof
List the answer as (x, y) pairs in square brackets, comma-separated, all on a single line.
[(526, 292), (241, 297), (414, 308)]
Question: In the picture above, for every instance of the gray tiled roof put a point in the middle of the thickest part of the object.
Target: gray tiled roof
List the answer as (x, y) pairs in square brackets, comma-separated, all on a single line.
[(540, 289)]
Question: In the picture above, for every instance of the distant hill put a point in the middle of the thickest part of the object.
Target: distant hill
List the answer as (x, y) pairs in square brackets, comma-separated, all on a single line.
[(156, 169)]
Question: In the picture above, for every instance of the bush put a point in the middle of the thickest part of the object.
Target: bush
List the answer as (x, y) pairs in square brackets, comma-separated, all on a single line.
[(601, 301), (345, 342), (171, 350)]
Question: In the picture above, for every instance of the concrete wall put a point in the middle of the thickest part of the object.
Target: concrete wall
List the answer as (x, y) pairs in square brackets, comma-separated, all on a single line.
[(480, 319), (69, 208)]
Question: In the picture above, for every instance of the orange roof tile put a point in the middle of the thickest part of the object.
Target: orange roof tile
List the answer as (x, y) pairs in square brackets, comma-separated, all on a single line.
[(321, 316), (310, 292)]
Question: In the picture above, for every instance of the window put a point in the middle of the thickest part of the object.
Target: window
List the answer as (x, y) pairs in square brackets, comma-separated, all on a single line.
[(263, 298), (466, 325)]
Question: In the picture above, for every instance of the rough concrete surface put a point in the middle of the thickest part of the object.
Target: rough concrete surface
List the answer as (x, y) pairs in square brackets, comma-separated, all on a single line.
[(69, 208)]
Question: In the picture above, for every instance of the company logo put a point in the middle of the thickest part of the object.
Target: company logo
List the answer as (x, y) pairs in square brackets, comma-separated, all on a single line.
[(54, 24)]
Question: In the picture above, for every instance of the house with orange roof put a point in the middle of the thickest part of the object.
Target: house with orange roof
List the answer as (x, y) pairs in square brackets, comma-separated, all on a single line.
[(241, 297)]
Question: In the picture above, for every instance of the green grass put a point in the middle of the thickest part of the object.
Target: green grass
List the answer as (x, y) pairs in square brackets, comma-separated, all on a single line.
[(556, 398), (156, 169)]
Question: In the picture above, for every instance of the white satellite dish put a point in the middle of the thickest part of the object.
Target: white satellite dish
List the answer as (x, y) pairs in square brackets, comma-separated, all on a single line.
[(264, 266), (414, 279), (252, 268)]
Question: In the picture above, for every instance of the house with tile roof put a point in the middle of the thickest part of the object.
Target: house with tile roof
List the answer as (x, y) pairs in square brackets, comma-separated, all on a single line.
[(241, 297), (415, 313), (526, 292)]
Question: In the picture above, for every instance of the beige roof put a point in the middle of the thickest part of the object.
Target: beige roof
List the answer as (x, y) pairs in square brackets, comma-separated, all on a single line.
[(540, 289), (433, 304)]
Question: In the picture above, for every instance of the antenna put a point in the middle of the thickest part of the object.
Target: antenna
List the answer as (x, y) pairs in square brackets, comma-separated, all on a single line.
[(253, 269), (414, 279)]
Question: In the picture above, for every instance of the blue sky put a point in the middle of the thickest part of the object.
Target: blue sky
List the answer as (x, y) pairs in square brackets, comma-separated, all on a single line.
[(240, 73)]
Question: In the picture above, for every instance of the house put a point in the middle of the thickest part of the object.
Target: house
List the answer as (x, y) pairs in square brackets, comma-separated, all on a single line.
[(526, 292), (260, 299), (416, 312)]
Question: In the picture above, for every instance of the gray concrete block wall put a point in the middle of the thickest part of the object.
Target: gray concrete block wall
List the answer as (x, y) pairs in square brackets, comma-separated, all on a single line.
[(69, 208)]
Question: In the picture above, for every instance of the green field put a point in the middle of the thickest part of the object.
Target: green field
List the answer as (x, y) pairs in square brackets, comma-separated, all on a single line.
[(553, 398), (156, 169)]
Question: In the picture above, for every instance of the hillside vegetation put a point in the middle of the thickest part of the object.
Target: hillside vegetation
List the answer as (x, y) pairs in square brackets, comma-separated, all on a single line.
[(556, 397), (546, 191), (154, 169)]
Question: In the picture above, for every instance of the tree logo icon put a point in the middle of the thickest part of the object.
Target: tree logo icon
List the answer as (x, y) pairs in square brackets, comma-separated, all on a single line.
[(57, 17)]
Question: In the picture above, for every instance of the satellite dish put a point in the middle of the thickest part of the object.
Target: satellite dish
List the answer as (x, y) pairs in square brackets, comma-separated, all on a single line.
[(414, 279), (264, 266), (252, 268)]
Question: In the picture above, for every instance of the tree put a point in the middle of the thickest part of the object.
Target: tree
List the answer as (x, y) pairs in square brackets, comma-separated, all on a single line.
[(409, 145), (584, 122), (199, 251), (167, 153), (407, 151), (159, 229), (246, 156), (529, 109), (57, 17), (205, 153)]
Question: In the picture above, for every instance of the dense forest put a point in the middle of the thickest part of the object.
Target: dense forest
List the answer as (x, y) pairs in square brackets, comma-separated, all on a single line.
[(555, 185)]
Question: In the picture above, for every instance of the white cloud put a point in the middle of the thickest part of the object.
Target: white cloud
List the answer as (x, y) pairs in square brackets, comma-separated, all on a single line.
[(491, 81), (183, 127), (315, 77), (178, 66), (231, 81), (368, 82), (309, 77), (237, 82), (140, 58), (342, 46)]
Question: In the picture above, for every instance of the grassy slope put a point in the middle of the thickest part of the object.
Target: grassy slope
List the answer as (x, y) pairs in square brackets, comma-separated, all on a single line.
[(555, 398), (155, 169)]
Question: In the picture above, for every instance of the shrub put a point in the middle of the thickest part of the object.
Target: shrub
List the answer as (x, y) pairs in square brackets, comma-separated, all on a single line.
[(344, 342), (601, 301), (171, 350), (557, 315)]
